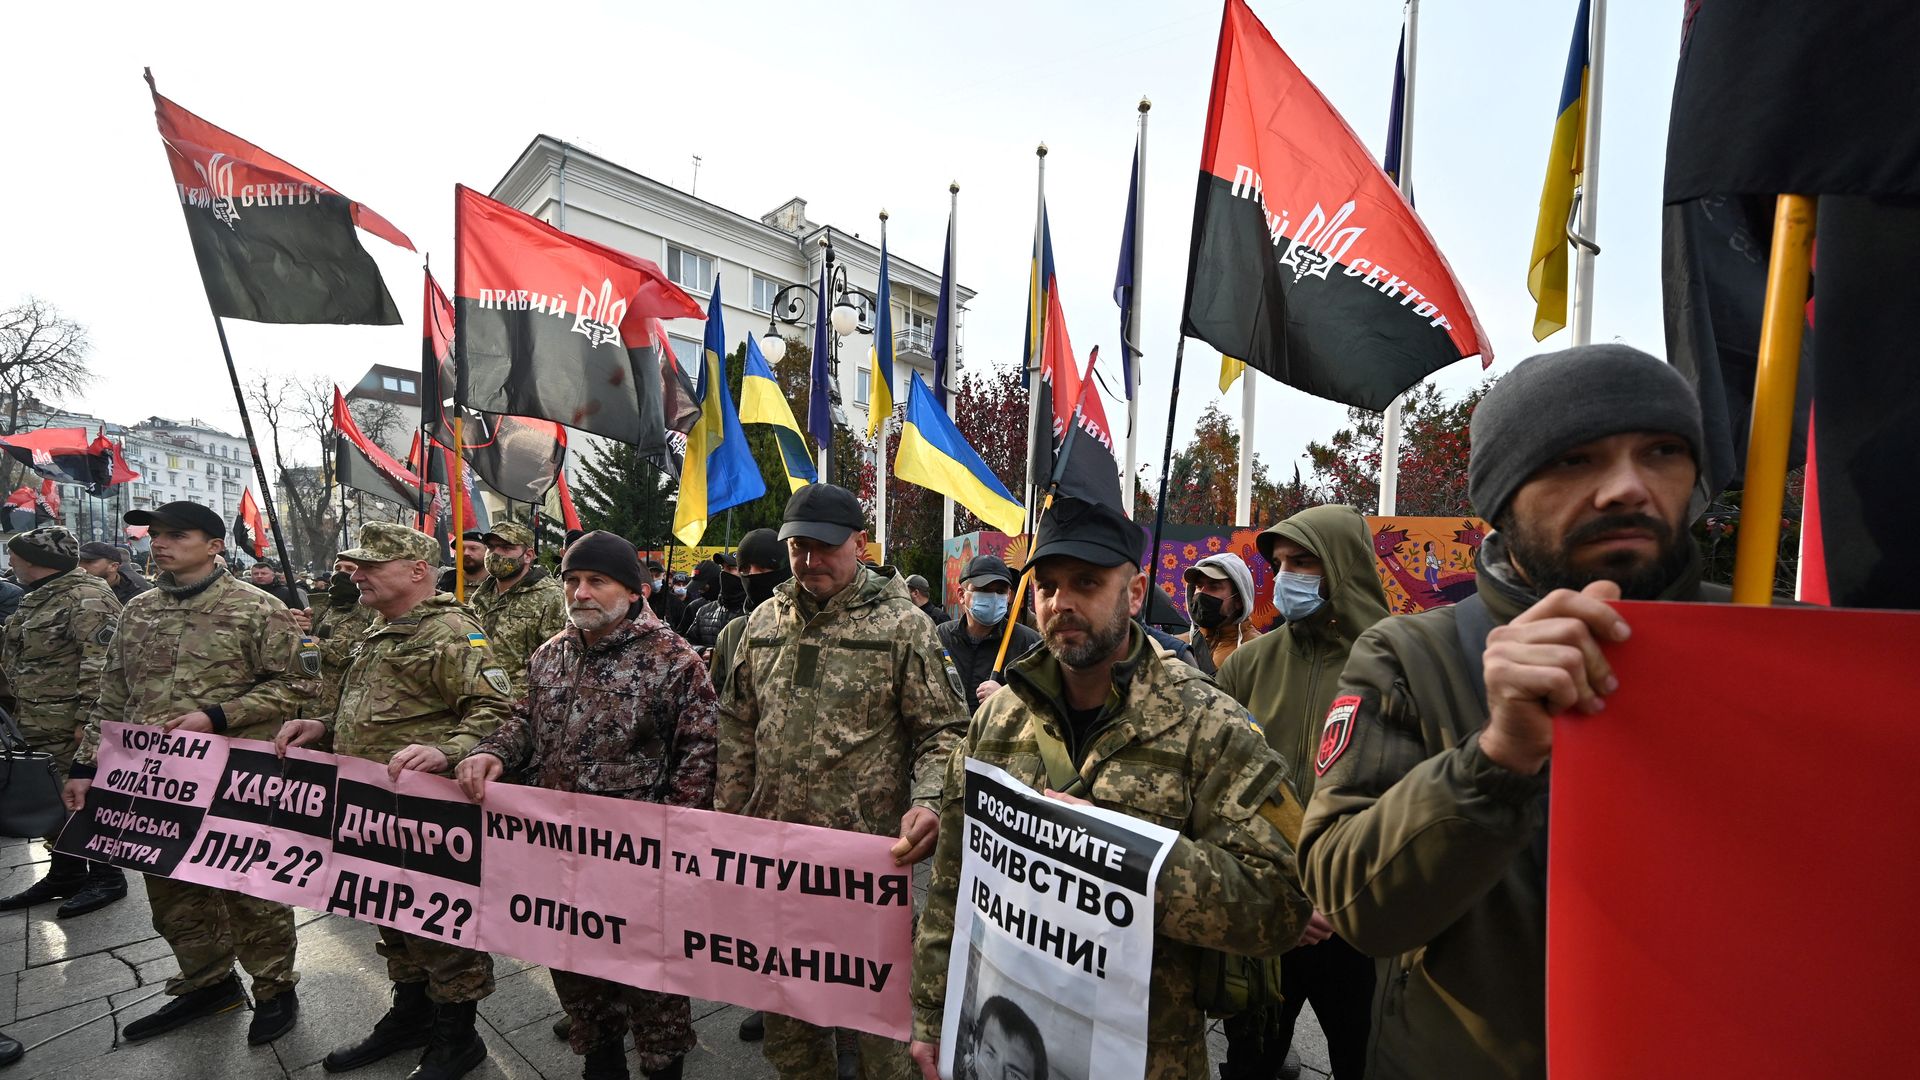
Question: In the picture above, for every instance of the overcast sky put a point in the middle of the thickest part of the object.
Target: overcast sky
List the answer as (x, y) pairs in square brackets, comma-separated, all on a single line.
[(854, 106)]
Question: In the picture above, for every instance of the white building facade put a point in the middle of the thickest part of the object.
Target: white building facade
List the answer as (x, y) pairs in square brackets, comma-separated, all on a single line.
[(754, 258)]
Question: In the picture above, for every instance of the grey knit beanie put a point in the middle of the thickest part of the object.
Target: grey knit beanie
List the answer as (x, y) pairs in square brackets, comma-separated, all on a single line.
[(1551, 403), (49, 545)]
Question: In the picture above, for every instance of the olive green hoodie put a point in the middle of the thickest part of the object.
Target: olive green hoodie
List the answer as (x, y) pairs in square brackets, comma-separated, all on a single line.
[(1287, 677)]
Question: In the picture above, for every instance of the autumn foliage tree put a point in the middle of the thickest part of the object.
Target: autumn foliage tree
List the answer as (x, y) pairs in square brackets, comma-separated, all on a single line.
[(1433, 456)]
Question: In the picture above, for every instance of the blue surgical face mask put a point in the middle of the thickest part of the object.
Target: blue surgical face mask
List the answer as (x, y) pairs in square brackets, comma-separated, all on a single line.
[(988, 609), (1297, 595)]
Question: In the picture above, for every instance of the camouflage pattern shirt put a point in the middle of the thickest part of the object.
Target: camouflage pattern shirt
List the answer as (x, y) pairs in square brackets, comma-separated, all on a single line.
[(839, 714), (426, 677), (630, 716), (519, 620), (218, 645), (53, 650), (337, 629), (1167, 748)]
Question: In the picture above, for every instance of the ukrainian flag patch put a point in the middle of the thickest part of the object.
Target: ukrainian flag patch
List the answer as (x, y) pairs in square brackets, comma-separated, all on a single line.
[(477, 641)]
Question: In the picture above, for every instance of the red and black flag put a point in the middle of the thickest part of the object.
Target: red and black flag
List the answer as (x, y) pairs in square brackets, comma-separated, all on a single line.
[(1307, 262), (48, 500), (22, 511), (516, 456), (437, 381), (560, 328), (360, 463), (61, 454), (569, 516), (249, 532), (1082, 458), (274, 244), (1758, 111), (107, 465)]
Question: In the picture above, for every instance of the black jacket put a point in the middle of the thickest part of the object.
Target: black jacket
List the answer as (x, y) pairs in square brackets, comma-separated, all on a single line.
[(974, 659)]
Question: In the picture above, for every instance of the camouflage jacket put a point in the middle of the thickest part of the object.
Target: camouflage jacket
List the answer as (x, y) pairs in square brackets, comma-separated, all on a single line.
[(1167, 748), (630, 717), (519, 620), (54, 648), (426, 677), (220, 645), (841, 718), (337, 630)]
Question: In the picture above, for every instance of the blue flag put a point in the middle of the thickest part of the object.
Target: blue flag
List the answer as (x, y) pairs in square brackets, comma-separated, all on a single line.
[(943, 330), (934, 455), (1397, 117), (1123, 283), (719, 470)]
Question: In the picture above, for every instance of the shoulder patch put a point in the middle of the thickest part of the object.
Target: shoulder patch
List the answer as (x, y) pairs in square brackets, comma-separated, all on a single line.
[(953, 675), (497, 679), (309, 655), (1254, 724), (1337, 735), (477, 641), (104, 635)]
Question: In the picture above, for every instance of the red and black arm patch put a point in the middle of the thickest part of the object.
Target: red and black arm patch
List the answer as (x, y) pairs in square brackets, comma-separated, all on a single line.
[(1337, 735)]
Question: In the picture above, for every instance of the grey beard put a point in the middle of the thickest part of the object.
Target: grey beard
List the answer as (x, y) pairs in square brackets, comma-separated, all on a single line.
[(595, 618)]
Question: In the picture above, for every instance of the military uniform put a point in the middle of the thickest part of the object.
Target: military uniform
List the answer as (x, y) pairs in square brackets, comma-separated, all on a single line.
[(838, 714), (426, 677), (1170, 749), (519, 620), (338, 629), (628, 717), (222, 646), (54, 648)]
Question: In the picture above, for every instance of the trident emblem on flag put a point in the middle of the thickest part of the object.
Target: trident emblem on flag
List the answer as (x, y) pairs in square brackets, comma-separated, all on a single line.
[(1322, 241), (599, 317)]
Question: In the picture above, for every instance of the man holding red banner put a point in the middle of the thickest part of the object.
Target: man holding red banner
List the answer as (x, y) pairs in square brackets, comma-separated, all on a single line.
[(1425, 840)]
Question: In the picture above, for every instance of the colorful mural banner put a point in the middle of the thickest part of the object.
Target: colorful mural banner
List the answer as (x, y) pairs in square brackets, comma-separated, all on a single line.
[(1423, 562), (800, 921)]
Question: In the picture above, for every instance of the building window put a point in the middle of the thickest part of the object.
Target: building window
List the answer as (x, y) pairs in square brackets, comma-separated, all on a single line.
[(764, 290), (396, 385), (862, 386), (689, 269), (173, 461), (688, 352)]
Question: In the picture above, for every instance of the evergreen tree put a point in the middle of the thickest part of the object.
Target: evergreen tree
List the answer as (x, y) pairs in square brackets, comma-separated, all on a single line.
[(622, 494)]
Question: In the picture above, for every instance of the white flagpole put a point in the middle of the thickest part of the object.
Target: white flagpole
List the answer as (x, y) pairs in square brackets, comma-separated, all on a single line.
[(1135, 358), (1390, 428), (1243, 493), (880, 448), (952, 315), (1584, 249)]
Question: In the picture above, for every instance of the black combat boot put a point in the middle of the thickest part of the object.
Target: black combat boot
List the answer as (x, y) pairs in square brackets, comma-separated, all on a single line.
[(455, 1047), (273, 1018), (66, 875), (223, 996), (562, 1027), (407, 1024), (608, 1061), (104, 885)]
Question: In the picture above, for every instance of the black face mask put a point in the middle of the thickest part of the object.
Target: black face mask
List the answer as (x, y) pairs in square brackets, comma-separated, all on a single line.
[(760, 586), (733, 591), (1208, 610), (341, 589)]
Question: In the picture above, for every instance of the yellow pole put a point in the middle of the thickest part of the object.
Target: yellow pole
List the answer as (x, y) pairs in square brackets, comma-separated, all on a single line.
[(1020, 591), (1775, 384), (458, 481)]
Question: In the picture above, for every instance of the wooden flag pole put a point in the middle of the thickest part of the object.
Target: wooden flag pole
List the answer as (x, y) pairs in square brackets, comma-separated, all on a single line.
[(458, 482), (1775, 384)]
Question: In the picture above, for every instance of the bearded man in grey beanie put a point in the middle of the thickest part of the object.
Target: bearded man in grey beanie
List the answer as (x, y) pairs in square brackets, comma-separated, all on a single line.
[(1425, 841)]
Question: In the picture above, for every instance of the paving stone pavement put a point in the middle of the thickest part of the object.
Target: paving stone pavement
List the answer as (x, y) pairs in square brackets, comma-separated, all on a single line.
[(68, 986)]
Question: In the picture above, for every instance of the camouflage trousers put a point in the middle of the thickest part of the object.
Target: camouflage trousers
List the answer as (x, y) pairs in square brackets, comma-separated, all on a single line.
[(602, 1011), (57, 740), (210, 928), (800, 1051), (452, 974)]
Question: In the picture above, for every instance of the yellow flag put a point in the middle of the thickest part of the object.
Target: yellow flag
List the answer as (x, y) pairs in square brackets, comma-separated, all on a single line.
[(1230, 369)]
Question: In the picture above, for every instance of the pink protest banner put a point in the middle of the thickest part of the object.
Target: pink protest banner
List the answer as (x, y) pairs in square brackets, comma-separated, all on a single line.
[(803, 922), (1731, 879)]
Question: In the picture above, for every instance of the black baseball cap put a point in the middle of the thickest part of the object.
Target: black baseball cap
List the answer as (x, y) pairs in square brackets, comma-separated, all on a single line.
[(1088, 531), (473, 534), (94, 549), (822, 512), (181, 515), (985, 570)]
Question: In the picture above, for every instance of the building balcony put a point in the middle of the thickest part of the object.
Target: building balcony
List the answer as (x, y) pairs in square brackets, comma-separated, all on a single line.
[(913, 341)]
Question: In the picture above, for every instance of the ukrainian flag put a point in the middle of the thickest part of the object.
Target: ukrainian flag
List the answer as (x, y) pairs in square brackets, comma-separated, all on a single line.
[(880, 390), (762, 402), (719, 470), (1547, 276), (934, 455)]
